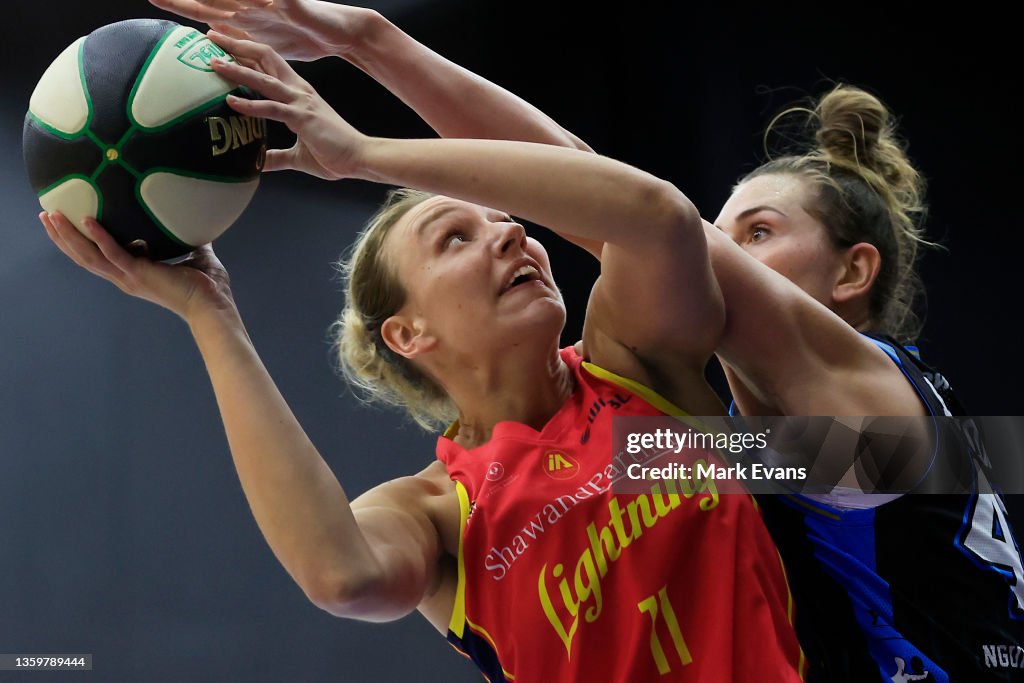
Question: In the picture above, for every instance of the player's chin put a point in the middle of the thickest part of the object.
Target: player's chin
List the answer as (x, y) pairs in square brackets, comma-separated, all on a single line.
[(540, 317)]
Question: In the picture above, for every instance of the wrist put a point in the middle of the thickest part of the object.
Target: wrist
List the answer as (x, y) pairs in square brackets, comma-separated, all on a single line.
[(363, 37), (364, 163), (348, 32), (212, 318)]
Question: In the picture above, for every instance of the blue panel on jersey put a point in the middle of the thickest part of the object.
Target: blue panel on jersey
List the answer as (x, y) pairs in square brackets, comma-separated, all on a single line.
[(482, 654), (845, 548)]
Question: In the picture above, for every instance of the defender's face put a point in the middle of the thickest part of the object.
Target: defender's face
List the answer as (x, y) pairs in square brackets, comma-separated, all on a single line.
[(766, 216)]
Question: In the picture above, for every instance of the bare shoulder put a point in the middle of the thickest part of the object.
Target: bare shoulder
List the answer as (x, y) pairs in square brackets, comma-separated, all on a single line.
[(421, 487), (428, 495)]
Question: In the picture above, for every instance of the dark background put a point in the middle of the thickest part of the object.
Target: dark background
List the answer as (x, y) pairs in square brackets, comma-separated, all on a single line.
[(123, 531)]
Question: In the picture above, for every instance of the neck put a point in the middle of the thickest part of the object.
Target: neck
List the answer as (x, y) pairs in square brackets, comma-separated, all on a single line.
[(529, 386), (856, 315)]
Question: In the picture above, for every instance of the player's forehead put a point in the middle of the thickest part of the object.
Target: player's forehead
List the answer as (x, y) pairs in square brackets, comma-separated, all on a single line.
[(784, 193), (420, 218)]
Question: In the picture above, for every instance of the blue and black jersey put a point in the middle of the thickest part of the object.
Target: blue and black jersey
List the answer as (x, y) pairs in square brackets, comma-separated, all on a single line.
[(920, 588)]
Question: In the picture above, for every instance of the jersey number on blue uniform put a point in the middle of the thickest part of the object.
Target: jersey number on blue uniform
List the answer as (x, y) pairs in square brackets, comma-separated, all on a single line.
[(988, 539)]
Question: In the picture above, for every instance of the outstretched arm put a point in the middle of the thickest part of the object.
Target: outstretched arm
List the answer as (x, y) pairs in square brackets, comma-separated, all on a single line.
[(452, 100), (375, 559), (437, 89), (656, 297)]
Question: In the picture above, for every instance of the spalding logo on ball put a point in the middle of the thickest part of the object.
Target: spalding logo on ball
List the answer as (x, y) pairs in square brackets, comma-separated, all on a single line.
[(129, 125)]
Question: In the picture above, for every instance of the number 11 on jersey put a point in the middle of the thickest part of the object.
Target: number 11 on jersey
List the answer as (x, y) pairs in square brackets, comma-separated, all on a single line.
[(656, 605)]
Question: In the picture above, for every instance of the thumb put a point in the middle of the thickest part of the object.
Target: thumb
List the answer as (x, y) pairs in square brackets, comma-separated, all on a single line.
[(281, 159)]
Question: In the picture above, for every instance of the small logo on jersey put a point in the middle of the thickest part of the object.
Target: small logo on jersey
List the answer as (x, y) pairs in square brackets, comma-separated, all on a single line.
[(615, 402), (558, 465), (495, 471)]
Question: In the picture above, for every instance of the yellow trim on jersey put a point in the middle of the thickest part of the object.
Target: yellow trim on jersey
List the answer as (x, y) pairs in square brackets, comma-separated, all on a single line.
[(646, 393), (813, 508), (457, 624), (802, 663)]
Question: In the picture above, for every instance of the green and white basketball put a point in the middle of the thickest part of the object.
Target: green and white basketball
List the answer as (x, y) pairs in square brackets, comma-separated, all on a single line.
[(129, 125)]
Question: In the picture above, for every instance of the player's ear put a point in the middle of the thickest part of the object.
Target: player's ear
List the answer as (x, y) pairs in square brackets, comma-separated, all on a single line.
[(861, 264), (406, 336)]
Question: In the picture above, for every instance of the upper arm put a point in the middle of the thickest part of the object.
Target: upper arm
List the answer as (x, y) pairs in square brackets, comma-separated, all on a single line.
[(794, 354), (656, 301), (399, 520)]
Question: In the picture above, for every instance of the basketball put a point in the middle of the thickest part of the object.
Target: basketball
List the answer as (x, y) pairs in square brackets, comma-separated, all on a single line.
[(129, 125)]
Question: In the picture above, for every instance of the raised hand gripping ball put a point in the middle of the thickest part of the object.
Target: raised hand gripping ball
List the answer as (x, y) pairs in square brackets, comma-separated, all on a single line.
[(129, 125)]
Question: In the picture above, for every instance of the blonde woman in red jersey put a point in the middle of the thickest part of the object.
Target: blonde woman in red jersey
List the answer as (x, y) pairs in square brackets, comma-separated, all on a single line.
[(513, 543), (813, 363)]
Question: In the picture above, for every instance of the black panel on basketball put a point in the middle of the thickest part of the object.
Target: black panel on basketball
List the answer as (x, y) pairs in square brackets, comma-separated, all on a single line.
[(50, 158), (189, 145), (125, 219), (112, 57)]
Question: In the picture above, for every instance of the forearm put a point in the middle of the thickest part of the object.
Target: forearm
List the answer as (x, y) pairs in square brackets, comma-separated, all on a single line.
[(583, 195), (454, 101), (298, 503)]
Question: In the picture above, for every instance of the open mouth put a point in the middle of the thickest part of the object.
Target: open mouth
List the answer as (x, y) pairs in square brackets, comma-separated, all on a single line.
[(521, 276)]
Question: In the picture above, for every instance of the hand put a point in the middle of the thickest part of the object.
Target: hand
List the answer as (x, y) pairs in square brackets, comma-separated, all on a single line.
[(199, 283), (304, 30), (326, 147)]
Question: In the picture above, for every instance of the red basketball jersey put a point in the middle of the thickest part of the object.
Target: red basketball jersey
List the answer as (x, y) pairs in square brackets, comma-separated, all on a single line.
[(562, 579)]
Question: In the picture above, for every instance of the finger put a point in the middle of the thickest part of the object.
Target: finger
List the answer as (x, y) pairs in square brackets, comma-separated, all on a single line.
[(253, 77), (82, 251), (230, 31), (270, 61), (279, 160), (51, 232), (198, 9), (249, 63), (202, 259), (210, 10), (109, 247), (218, 31), (266, 109)]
